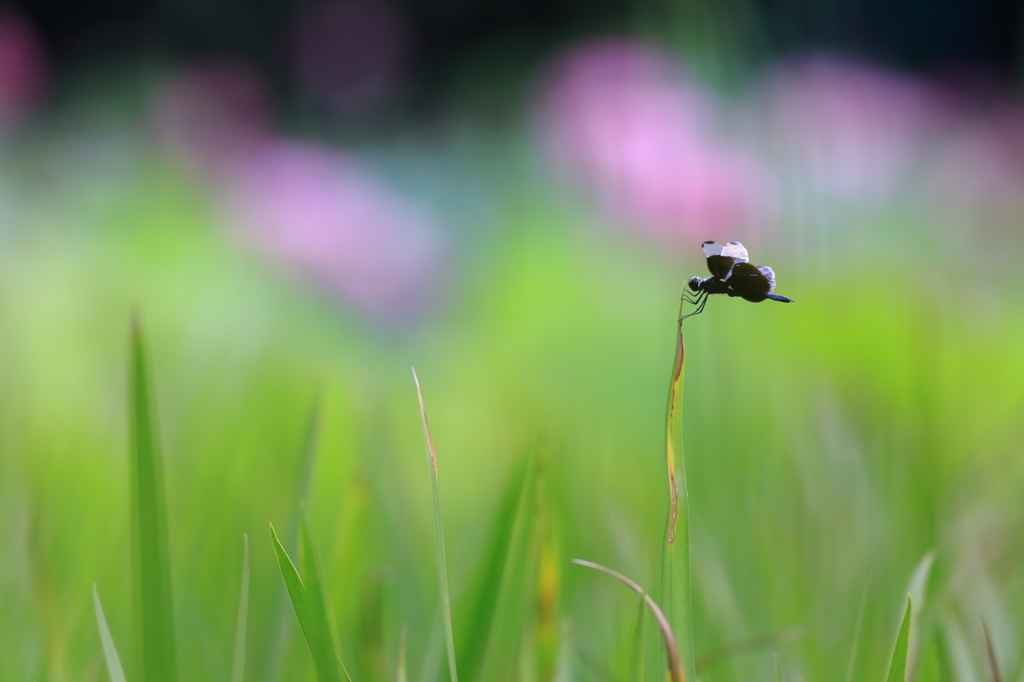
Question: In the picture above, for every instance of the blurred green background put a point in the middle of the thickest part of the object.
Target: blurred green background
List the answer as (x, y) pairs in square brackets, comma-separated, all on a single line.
[(305, 201)]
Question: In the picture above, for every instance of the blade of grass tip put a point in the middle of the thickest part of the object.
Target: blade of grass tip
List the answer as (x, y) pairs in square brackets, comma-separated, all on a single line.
[(403, 675), (319, 602), (305, 465), (898, 664), (238, 660), (675, 665), (312, 628), (675, 557), (990, 654), (442, 570), (636, 647), (778, 669), (114, 668), (149, 523)]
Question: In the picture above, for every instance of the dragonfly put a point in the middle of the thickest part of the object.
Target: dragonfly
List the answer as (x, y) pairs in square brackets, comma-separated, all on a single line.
[(733, 275)]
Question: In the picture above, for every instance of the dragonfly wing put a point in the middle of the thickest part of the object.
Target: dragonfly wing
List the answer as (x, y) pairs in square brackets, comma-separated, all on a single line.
[(711, 249), (749, 282), (770, 275), (736, 251), (719, 265)]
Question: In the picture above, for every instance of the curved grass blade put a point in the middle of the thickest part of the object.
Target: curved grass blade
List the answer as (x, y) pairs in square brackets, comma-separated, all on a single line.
[(675, 664), (898, 664), (990, 655), (114, 669), (308, 600), (675, 556), (149, 524), (238, 661), (442, 570)]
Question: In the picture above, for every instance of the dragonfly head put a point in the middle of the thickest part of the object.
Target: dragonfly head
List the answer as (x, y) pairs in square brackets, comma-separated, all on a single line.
[(694, 283)]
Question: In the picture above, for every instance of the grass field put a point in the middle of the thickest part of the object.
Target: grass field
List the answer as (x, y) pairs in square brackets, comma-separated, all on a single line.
[(834, 448)]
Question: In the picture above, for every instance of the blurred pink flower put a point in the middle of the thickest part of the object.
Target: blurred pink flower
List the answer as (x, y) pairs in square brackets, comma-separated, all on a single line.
[(211, 117), (350, 55), (315, 212), (24, 68), (850, 129), (977, 179), (620, 120)]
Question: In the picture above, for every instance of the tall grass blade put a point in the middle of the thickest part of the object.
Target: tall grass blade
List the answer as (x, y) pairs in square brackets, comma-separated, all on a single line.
[(675, 665), (675, 557), (636, 648), (238, 660), (478, 630), (778, 669), (310, 608), (114, 669), (442, 570), (149, 524), (898, 664), (990, 654), (403, 675)]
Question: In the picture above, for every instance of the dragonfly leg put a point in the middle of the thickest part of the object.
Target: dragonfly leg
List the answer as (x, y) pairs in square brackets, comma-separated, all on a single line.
[(694, 299), (703, 299)]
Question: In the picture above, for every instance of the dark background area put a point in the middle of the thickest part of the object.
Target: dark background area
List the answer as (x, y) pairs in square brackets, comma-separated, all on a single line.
[(937, 37)]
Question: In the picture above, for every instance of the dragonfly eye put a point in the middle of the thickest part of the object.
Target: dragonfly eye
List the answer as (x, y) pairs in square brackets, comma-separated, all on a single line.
[(694, 283)]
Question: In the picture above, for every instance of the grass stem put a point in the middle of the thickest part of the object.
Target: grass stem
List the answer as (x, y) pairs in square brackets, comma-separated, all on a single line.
[(442, 569), (675, 561)]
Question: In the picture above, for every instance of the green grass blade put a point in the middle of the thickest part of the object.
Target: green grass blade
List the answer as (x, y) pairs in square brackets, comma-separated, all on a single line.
[(114, 668), (778, 669), (675, 665), (484, 595), (238, 661), (403, 675), (636, 652), (442, 569), (292, 581), (319, 603), (898, 664), (675, 557), (149, 523), (312, 617), (306, 463)]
